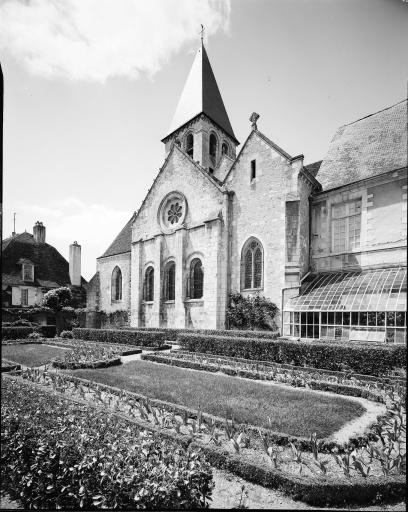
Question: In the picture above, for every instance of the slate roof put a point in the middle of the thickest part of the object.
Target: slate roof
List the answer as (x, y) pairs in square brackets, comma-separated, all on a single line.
[(201, 95), (122, 242), (51, 269), (368, 147)]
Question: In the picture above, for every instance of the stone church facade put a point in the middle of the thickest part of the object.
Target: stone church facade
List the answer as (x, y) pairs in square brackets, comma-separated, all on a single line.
[(217, 221)]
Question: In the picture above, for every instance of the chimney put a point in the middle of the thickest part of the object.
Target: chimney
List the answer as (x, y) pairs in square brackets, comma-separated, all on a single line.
[(39, 232), (75, 264)]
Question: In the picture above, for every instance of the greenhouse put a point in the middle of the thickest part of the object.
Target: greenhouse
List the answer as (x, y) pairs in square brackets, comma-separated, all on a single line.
[(356, 306)]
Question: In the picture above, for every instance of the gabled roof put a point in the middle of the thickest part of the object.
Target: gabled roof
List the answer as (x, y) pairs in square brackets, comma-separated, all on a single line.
[(51, 268), (368, 147), (122, 242), (201, 95), (314, 167)]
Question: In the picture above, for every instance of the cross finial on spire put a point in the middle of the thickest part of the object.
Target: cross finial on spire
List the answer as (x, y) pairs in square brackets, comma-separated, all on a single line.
[(254, 118), (202, 33)]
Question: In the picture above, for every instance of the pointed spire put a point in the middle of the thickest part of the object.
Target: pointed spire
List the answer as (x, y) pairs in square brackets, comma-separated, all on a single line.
[(201, 95)]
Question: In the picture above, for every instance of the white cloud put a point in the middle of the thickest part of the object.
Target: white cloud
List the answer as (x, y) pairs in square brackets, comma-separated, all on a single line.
[(93, 40), (93, 226)]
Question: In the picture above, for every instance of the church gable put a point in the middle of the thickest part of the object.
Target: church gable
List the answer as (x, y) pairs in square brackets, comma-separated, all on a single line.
[(182, 193)]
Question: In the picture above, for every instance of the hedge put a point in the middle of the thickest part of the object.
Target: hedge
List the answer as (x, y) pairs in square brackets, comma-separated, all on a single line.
[(71, 365), (15, 333), (172, 333), (48, 331), (376, 360), (57, 454), (141, 338)]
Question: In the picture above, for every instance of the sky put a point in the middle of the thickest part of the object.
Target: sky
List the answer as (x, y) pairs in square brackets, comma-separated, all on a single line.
[(91, 86)]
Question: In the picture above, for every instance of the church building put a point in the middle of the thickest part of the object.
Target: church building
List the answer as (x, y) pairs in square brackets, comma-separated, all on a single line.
[(325, 242)]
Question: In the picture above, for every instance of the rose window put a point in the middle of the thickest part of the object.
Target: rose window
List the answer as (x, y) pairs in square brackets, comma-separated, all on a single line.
[(174, 213)]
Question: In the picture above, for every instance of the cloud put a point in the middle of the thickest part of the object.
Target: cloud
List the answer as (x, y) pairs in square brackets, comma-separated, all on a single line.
[(93, 40), (93, 226)]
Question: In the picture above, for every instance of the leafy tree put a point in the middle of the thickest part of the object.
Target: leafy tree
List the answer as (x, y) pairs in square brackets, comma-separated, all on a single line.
[(252, 312), (58, 300)]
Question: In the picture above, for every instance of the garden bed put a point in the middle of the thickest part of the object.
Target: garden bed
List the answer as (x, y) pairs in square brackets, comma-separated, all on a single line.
[(75, 456), (9, 366), (31, 354), (311, 477), (139, 338)]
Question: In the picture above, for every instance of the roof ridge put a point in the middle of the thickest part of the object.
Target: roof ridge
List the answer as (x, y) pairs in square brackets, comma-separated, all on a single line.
[(373, 114)]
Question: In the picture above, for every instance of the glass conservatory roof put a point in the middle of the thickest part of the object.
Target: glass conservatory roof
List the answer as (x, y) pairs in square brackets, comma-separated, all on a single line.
[(373, 290)]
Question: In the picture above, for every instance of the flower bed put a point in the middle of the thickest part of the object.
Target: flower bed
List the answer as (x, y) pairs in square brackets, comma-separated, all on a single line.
[(84, 355), (355, 476), (141, 338), (9, 366), (123, 350), (376, 360), (59, 454)]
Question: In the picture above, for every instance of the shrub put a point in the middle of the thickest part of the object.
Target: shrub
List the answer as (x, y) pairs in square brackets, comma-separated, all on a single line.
[(66, 335), (15, 333), (34, 336), (48, 331), (21, 322), (140, 338), (375, 360), (253, 312), (58, 454)]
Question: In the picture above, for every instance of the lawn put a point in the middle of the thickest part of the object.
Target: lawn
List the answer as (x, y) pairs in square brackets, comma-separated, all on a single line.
[(31, 355), (297, 412)]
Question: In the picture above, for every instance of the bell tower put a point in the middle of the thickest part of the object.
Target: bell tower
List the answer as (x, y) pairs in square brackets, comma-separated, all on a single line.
[(200, 125)]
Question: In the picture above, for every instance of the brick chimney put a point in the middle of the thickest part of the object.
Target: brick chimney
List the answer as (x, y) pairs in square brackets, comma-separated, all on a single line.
[(39, 232), (75, 264)]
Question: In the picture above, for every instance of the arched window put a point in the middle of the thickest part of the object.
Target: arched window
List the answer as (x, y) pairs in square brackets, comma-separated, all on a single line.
[(224, 148), (190, 145), (170, 281), (149, 284), (252, 265), (196, 279), (213, 147), (116, 285)]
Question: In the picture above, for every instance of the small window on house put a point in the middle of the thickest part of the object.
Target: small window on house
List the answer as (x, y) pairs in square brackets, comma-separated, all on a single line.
[(213, 148), (196, 279), (28, 272), (253, 169), (190, 145), (211, 170), (149, 284), (224, 148), (170, 281), (24, 297), (116, 288), (252, 265)]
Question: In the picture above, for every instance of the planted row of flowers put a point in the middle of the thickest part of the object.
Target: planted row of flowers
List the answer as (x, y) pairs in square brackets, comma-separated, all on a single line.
[(265, 459), (342, 384), (60, 454)]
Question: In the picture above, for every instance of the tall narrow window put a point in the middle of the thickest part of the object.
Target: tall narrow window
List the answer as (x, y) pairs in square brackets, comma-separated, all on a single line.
[(213, 148), (224, 148), (252, 265), (346, 226), (116, 288), (253, 169), (190, 145), (28, 272), (149, 284), (170, 281), (24, 297), (196, 279)]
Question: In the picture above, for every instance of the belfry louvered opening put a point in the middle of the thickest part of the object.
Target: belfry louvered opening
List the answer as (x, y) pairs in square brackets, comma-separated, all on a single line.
[(357, 306)]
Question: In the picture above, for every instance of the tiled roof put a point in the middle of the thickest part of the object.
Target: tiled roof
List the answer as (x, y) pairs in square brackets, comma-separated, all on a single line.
[(122, 242), (51, 269), (368, 147), (314, 167)]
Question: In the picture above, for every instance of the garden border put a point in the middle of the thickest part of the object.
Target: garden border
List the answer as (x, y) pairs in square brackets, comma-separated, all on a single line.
[(315, 492)]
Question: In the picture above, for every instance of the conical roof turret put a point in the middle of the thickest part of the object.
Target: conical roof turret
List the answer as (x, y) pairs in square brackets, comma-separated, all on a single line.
[(201, 95)]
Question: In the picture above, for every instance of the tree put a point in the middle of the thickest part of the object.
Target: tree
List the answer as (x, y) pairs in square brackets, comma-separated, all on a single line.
[(57, 300)]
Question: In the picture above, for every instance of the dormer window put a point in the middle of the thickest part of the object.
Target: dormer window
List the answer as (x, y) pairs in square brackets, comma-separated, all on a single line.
[(28, 272)]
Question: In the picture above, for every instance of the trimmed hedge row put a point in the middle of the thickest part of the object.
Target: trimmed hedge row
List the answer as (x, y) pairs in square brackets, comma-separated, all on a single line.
[(376, 360), (58, 454), (63, 365), (172, 333), (127, 337), (15, 333)]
